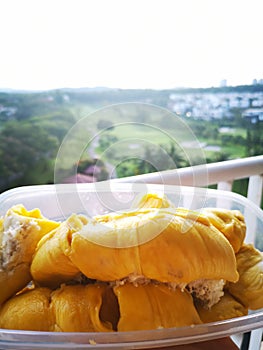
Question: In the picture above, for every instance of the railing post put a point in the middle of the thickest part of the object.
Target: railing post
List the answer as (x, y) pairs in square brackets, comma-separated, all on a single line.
[(255, 186), (225, 185)]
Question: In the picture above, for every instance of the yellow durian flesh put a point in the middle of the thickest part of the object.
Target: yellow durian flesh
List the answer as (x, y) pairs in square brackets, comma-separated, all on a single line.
[(120, 245), (13, 281), (99, 308), (154, 306), (228, 307), (94, 308), (21, 230), (127, 237), (28, 311), (50, 265), (249, 288), (27, 227), (77, 309), (72, 308), (151, 200), (230, 222)]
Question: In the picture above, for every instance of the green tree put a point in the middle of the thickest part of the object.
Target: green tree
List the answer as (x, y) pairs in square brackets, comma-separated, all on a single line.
[(154, 159), (25, 155), (254, 140), (106, 140)]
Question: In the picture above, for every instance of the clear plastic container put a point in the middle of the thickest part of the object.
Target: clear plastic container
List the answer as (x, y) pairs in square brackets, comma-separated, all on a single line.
[(59, 201)]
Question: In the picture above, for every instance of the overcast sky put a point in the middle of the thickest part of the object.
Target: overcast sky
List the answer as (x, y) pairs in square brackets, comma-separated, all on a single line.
[(129, 43)]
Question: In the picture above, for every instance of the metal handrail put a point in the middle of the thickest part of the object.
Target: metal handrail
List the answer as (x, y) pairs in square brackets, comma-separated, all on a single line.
[(221, 173), (217, 172)]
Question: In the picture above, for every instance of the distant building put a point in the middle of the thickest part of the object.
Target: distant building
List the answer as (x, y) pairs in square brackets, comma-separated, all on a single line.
[(254, 115), (257, 82), (223, 83)]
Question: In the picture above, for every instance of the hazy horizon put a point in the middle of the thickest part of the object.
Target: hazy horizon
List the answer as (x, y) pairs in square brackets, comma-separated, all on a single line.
[(3, 89)]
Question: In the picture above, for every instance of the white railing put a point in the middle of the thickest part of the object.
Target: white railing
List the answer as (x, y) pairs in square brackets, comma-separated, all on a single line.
[(223, 175)]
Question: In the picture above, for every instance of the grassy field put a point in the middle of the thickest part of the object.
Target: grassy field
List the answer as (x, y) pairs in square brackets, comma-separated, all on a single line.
[(136, 127)]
